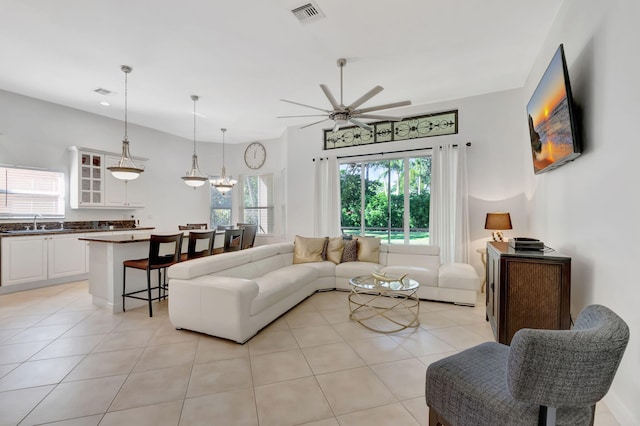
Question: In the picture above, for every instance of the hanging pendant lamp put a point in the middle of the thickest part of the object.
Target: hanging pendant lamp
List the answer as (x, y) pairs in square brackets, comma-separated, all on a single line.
[(223, 183), (193, 177), (126, 169)]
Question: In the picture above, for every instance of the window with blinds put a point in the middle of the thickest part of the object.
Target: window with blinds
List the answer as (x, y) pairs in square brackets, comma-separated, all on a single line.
[(28, 192), (257, 202)]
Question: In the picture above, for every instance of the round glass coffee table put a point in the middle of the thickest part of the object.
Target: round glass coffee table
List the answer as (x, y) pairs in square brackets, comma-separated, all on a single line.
[(384, 306)]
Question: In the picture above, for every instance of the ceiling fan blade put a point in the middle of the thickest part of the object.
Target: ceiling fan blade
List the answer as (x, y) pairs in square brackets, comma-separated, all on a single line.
[(314, 123), (306, 106), (336, 127), (360, 124), (385, 106), (296, 116), (378, 117), (329, 95), (364, 98)]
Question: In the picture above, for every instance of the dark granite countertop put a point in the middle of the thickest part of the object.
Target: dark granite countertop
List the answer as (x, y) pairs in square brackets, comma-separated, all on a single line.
[(22, 233)]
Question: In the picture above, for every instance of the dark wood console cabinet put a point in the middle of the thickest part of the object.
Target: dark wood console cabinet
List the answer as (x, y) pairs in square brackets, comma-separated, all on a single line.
[(526, 289)]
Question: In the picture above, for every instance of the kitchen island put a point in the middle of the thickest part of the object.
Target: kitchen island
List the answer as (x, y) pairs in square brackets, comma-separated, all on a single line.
[(106, 255)]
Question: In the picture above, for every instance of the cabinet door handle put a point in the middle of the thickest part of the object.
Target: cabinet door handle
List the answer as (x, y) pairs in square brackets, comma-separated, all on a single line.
[(493, 286)]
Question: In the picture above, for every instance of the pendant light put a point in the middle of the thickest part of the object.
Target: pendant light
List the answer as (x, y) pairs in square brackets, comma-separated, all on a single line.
[(193, 177), (223, 183), (126, 169)]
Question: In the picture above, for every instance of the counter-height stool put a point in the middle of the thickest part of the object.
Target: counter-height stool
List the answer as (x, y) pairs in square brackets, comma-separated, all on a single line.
[(156, 261), (197, 238), (249, 234), (233, 239)]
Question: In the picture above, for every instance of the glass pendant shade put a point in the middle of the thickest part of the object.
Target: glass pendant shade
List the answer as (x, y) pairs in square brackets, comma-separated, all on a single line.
[(126, 169), (194, 177), (223, 183)]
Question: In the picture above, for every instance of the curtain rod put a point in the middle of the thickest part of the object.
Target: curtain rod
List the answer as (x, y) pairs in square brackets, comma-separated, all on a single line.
[(388, 152)]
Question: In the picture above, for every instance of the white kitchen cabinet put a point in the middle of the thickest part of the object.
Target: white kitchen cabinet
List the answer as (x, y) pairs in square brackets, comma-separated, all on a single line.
[(42, 258), (92, 185), (66, 255), (24, 259)]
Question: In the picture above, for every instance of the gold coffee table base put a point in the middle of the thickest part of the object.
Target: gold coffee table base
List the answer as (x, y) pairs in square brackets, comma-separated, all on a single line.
[(370, 304)]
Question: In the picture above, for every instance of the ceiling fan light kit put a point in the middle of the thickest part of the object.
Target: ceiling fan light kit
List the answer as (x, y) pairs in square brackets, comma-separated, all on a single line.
[(126, 169), (342, 115)]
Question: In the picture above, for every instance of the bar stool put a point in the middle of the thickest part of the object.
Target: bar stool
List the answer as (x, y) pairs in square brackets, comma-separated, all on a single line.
[(233, 239), (155, 261), (194, 238)]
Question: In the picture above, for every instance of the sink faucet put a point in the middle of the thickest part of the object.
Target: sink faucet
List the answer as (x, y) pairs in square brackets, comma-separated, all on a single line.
[(35, 221)]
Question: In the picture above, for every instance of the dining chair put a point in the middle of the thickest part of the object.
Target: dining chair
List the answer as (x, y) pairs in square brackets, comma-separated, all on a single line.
[(160, 258), (249, 235), (198, 225), (198, 247), (233, 239)]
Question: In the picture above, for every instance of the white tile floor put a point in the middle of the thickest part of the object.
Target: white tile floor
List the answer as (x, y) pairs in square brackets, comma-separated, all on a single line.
[(64, 361)]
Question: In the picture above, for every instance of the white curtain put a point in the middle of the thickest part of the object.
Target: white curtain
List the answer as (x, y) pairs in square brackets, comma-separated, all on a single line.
[(449, 211), (326, 198)]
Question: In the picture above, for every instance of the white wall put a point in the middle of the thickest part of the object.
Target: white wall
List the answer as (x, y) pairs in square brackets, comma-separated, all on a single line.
[(589, 209), (493, 123), (37, 134)]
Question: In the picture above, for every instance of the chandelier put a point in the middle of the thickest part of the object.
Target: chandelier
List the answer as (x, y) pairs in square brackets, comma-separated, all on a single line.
[(223, 183), (193, 177), (126, 169)]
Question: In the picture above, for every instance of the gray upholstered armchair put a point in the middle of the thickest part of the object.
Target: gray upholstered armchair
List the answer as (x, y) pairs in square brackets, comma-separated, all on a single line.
[(545, 377)]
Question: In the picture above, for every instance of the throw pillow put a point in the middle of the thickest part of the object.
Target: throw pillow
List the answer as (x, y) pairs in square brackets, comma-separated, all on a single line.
[(350, 251), (308, 249), (368, 249), (335, 247), (324, 248)]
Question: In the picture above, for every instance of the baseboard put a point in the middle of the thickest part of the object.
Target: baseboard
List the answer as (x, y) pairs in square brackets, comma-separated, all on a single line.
[(619, 410)]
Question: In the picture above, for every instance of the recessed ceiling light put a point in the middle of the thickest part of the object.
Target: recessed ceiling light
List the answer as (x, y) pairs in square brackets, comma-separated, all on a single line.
[(105, 103)]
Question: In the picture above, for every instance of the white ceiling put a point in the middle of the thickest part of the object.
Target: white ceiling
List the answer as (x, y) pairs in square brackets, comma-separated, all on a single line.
[(242, 56)]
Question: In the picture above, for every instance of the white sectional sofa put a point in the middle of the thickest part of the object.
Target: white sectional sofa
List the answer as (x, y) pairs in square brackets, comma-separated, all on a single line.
[(234, 295)]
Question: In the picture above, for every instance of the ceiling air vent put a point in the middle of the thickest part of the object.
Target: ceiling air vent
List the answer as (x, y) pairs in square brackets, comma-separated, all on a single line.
[(102, 91), (308, 13)]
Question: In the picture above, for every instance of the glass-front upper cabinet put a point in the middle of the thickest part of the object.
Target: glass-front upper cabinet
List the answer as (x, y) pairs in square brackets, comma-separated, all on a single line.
[(91, 179)]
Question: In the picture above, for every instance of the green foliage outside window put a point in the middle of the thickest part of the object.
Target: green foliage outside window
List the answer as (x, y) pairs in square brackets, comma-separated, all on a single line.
[(375, 192)]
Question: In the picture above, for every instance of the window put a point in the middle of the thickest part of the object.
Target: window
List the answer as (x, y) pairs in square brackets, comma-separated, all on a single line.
[(257, 202), (220, 208), (29, 192), (387, 199)]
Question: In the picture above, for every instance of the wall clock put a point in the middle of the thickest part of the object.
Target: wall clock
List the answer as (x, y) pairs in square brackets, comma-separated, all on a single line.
[(255, 155)]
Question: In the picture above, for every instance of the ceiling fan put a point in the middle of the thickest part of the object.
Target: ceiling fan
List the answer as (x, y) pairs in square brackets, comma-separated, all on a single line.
[(342, 114)]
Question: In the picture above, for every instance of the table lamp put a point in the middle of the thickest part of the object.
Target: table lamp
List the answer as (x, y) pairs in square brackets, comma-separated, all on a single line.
[(497, 222)]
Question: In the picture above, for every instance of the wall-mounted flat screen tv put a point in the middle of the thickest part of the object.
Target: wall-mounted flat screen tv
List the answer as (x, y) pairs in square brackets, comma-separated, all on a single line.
[(551, 115)]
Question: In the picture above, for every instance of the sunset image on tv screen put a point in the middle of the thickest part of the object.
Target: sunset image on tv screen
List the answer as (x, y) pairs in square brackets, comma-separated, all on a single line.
[(549, 120)]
